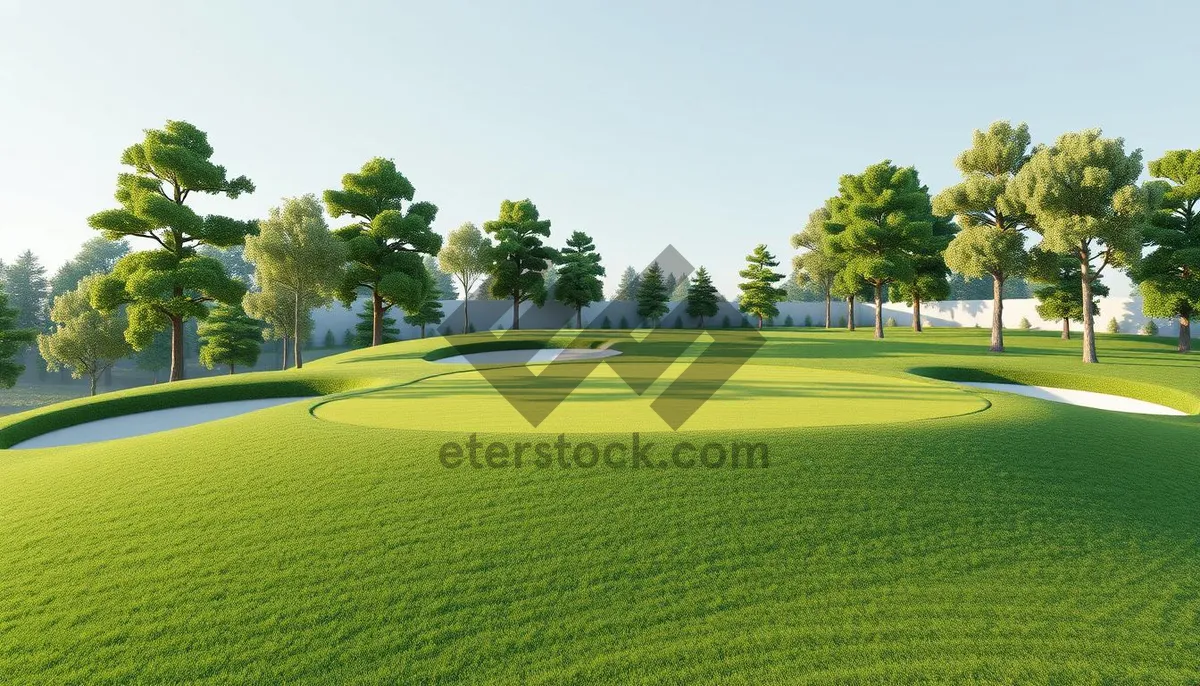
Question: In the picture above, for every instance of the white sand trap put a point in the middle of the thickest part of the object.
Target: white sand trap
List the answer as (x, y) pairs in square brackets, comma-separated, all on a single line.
[(531, 356), (1100, 401), (142, 423)]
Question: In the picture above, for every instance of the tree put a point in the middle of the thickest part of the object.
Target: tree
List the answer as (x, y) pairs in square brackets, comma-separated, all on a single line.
[(170, 284), (1061, 298), (579, 273), (430, 309), (13, 341), (519, 258), (387, 242), (156, 356), (97, 255), (992, 216), (466, 256), (28, 291), (681, 290), (652, 295), (277, 309), (627, 289), (330, 341), (229, 337), (879, 219), (818, 265), (364, 330), (444, 281), (294, 253), (233, 259), (1083, 196), (759, 293), (981, 287), (702, 296), (929, 278), (85, 340), (1169, 277)]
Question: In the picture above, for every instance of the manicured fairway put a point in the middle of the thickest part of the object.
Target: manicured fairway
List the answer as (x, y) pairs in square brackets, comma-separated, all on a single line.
[(1028, 542)]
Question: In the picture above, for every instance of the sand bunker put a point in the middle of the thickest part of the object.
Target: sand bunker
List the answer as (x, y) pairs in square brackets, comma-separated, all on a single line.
[(530, 356), (149, 422), (1099, 401)]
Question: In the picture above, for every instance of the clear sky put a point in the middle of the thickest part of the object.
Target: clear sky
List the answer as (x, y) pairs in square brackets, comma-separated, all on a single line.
[(710, 126)]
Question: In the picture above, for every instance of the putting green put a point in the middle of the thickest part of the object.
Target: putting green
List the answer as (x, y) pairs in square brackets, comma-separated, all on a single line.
[(756, 397)]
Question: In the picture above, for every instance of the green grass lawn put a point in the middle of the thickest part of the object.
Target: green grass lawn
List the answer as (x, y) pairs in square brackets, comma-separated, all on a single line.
[(906, 529)]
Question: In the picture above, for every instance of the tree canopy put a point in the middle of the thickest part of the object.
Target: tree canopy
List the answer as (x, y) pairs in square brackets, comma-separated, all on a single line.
[(652, 295), (467, 256), (759, 292), (817, 266), (579, 273), (85, 340), (230, 338), (1060, 297), (628, 287), (13, 341), (97, 255), (702, 298)]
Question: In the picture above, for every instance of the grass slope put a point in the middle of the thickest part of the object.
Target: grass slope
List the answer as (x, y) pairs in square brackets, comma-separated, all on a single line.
[(1028, 543)]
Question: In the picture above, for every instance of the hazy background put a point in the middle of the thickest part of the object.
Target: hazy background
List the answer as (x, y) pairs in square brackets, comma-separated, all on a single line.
[(705, 125)]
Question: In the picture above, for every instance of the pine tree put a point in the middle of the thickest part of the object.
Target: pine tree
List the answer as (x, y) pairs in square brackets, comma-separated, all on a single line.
[(579, 273), (363, 330), (702, 299), (13, 341), (430, 309), (759, 293), (228, 336), (652, 295), (627, 289)]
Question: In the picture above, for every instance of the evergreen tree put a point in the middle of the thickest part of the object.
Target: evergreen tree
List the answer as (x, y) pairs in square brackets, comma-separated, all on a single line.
[(929, 277), (702, 298), (229, 337), (520, 258), (28, 291), (155, 357), (579, 273), (97, 255), (1061, 296), (627, 289), (364, 329), (330, 340), (445, 282), (681, 290), (13, 341), (430, 309), (758, 292), (652, 295)]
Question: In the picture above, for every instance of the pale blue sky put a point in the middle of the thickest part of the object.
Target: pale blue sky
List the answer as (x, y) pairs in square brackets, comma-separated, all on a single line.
[(710, 126)]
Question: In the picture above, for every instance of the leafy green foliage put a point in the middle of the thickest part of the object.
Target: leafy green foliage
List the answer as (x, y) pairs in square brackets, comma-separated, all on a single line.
[(1113, 326), (430, 309), (387, 241), (519, 258), (759, 294), (1150, 328), (817, 267), (467, 256), (233, 258), (982, 287), (13, 341), (363, 329), (84, 339), (1061, 296), (579, 272), (229, 337), (97, 255), (929, 280), (702, 300), (652, 295)]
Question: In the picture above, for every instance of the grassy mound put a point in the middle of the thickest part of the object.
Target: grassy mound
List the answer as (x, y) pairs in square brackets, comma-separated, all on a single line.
[(1031, 542)]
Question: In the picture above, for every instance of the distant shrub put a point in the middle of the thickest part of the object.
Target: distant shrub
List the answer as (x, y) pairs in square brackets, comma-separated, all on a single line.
[(607, 323), (891, 322), (471, 328), (348, 339), (1024, 324), (787, 321), (679, 322), (1113, 326), (725, 324), (746, 322), (808, 320), (841, 322), (330, 339), (624, 323), (1150, 328)]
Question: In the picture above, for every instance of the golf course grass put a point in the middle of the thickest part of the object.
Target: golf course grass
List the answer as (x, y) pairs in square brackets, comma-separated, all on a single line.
[(904, 529)]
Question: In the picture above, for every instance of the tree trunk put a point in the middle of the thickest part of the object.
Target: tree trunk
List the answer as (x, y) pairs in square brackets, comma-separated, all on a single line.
[(1089, 325), (422, 329), (92, 383), (997, 313), (878, 310), (1066, 334), (286, 338), (231, 370), (516, 311), (376, 319), (917, 314), (1185, 333), (177, 372), (296, 333), (850, 313), (828, 309), (466, 316), (760, 322), (578, 317)]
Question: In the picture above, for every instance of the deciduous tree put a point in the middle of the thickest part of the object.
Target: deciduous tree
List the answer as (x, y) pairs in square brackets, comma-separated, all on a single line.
[(817, 265), (168, 285), (277, 309), (992, 216), (85, 340), (929, 278), (97, 255), (467, 256), (519, 259), (1083, 195), (579, 273), (387, 241)]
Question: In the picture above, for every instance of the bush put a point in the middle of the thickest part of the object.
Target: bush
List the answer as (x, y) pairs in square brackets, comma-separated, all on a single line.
[(891, 322), (808, 320), (330, 339), (725, 324), (624, 324), (471, 328), (787, 321), (1113, 326), (348, 339), (607, 323), (841, 322), (679, 322), (746, 322), (1150, 328), (1024, 324)]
